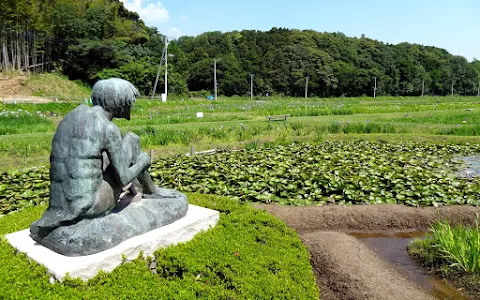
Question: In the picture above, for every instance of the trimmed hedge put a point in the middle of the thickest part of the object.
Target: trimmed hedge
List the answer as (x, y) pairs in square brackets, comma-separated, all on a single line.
[(248, 255)]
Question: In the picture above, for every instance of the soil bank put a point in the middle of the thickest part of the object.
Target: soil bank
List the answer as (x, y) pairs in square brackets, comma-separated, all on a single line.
[(345, 267)]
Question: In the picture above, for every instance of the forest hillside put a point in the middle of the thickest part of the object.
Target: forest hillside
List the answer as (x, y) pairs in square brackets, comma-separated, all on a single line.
[(89, 40)]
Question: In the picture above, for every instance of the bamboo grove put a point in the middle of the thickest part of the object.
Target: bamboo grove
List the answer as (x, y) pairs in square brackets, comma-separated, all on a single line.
[(94, 39)]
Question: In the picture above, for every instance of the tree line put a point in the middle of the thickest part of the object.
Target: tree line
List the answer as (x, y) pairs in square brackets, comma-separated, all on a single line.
[(94, 39)]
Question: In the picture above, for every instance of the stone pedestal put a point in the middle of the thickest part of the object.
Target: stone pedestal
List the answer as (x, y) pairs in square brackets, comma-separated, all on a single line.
[(85, 267)]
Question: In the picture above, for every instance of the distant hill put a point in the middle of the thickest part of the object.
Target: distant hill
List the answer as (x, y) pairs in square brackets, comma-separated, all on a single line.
[(336, 65), (93, 39)]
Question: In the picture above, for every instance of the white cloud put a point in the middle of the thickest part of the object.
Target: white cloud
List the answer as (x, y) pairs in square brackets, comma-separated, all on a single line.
[(152, 13), (174, 32), (184, 18)]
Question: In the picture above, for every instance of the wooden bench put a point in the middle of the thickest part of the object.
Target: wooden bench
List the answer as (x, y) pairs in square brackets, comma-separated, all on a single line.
[(278, 118)]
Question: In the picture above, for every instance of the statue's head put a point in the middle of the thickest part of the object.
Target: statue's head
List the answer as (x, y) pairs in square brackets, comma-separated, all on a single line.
[(115, 95)]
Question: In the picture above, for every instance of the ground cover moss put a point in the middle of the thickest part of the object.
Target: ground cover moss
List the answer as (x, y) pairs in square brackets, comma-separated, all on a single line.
[(248, 255)]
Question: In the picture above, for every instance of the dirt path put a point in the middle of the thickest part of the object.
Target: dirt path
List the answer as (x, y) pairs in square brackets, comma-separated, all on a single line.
[(346, 268), (369, 217), (24, 99)]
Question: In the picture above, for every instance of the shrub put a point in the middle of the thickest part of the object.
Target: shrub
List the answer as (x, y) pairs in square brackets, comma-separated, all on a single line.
[(199, 94)]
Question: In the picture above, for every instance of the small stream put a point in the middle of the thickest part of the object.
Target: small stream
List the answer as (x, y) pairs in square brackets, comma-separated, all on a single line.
[(393, 248)]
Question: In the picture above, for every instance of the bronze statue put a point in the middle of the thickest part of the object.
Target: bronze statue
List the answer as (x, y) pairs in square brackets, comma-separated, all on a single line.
[(91, 162)]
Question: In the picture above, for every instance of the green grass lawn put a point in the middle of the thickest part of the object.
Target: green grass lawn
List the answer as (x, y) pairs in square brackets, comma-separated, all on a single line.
[(249, 255)]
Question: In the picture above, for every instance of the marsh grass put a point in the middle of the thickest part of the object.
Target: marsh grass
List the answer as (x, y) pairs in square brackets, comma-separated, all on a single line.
[(165, 118), (449, 248), (459, 245), (25, 145), (441, 118), (24, 123), (355, 128), (460, 130), (163, 136), (307, 107)]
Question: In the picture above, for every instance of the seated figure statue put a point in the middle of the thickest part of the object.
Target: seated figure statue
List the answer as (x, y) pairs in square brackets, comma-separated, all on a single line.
[(90, 163)]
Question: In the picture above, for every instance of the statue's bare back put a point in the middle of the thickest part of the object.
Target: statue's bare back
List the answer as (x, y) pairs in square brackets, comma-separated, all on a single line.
[(90, 161)]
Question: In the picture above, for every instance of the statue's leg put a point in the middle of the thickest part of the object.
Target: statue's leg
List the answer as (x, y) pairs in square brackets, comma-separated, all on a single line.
[(106, 196), (108, 192), (110, 189), (131, 146)]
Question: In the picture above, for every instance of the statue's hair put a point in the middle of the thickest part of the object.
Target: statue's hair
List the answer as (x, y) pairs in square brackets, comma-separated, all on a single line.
[(114, 93)]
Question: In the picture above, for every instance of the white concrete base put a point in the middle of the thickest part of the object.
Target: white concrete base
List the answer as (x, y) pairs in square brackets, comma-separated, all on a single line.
[(85, 267)]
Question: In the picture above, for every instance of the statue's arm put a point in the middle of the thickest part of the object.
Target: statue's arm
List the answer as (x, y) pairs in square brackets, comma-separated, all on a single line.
[(117, 157)]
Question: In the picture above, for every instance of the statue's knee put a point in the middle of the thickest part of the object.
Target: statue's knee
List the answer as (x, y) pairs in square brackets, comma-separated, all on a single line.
[(131, 145), (132, 137)]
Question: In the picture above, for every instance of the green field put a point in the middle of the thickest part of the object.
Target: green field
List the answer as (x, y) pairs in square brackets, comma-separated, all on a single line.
[(346, 150), (233, 123)]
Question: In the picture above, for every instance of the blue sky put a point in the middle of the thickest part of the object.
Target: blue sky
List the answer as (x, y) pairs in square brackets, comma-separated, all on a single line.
[(453, 25)]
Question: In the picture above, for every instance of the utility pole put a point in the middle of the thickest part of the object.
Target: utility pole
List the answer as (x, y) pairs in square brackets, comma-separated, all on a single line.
[(166, 67), (452, 88), (375, 88), (478, 90), (251, 86), (215, 77), (158, 74), (423, 87), (306, 88)]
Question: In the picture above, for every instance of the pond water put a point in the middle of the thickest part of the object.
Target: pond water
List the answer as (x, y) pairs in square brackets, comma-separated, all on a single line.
[(471, 167), (393, 248)]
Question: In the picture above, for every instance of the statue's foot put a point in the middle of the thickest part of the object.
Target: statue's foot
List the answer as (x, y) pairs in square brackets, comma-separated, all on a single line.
[(137, 186), (161, 193), (133, 188)]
